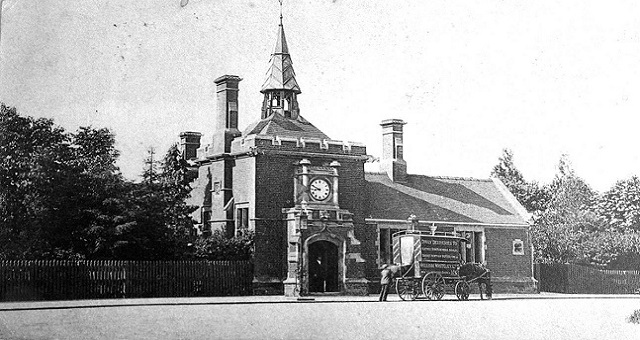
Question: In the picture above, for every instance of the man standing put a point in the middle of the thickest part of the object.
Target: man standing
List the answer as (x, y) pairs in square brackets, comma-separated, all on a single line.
[(318, 275), (387, 274)]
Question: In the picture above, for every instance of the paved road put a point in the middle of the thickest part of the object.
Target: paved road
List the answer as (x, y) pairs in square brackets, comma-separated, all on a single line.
[(536, 318)]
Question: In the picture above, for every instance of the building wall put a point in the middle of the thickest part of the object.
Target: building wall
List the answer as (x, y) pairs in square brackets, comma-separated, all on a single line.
[(274, 191), (509, 272), (244, 185)]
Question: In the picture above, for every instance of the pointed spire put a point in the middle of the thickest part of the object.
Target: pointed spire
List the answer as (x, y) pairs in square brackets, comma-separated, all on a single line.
[(280, 75)]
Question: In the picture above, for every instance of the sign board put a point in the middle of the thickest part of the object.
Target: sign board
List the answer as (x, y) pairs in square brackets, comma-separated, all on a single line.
[(429, 253), (440, 254)]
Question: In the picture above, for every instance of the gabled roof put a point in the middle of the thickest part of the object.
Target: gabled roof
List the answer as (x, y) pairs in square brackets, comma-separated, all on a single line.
[(277, 125), (442, 199), (280, 75)]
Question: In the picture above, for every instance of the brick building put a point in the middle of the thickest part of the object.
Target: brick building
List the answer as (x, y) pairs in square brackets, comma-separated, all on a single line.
[(313, 207)]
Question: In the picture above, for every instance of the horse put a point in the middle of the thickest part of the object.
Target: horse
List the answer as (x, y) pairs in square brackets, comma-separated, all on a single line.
[(476, 272)]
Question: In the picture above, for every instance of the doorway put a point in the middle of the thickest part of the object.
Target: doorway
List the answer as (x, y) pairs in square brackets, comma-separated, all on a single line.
[(473, 251), (323, 267)]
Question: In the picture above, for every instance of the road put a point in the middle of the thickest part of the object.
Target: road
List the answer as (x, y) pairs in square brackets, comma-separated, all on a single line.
[(515, 318)]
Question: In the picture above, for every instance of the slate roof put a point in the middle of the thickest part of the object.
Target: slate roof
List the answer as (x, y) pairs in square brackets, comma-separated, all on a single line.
[(444, 199), (277, 125), (280, 75)]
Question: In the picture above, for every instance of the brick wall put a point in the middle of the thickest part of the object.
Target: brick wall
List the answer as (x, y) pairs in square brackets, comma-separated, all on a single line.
[(509, 272), (274, 191)]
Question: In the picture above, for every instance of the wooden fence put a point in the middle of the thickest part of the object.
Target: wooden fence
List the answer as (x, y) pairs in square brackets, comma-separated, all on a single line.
[(67, 280), (574, 279)]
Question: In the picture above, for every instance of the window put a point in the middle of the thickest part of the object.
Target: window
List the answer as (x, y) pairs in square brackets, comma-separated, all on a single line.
[(399, 152), (518, 247), (206, 224), (242, 219), (232, 118), (216, 187)]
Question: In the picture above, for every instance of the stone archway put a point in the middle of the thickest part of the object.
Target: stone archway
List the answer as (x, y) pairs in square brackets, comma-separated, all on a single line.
[(324, 262)]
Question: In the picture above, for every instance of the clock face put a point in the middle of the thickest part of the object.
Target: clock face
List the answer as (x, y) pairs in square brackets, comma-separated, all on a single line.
[(319, 189)]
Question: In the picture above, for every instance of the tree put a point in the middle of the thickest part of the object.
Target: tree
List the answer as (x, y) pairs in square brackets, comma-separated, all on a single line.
[(54, 186), (157, 223), (612, 250), (32, 157), (620, 206), (150, 172), (615, 242), (559, 230), (529, 194)]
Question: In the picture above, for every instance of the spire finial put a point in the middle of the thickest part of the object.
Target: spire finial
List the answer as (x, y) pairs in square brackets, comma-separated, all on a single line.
[(280, 1)]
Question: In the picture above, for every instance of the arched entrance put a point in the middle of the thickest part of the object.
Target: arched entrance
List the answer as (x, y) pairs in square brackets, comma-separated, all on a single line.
[(323, 267)]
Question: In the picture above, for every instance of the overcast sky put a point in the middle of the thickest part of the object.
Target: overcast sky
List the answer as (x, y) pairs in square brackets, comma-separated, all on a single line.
[(543, 78)]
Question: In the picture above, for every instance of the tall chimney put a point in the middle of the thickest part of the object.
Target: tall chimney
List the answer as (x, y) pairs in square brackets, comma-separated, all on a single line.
[(226, 125), (392, 161), (189, 143)]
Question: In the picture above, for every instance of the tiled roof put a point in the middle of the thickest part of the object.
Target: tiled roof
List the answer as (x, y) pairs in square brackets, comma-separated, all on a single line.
[(280, 75), (277, 125), (445, 199)]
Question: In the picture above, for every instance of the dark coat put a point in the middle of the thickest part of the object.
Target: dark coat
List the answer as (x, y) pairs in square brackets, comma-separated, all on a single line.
[(388, 273)]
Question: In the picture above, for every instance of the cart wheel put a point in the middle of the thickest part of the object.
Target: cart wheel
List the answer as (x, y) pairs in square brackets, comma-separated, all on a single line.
[(406, 289), (462, 290), (433, 286)]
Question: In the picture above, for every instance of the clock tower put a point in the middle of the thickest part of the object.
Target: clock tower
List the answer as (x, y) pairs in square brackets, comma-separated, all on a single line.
[(321, 235)]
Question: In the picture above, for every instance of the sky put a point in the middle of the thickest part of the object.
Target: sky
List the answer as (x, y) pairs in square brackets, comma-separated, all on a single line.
[(470, 78)]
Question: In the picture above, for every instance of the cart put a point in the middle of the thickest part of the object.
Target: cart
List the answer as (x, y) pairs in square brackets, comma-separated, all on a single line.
[(430, 264)]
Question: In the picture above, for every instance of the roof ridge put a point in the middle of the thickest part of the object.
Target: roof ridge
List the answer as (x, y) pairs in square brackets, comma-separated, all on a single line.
[(455, 178)]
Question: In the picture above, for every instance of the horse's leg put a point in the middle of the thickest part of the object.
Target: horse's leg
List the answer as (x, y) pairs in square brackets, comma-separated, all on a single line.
[(489, 286)]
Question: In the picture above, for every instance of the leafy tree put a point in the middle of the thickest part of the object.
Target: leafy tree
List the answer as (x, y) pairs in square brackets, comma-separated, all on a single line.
[(62, 196), (559, 230), (54, 186), (529, 194), (612, 250), (620, 206)]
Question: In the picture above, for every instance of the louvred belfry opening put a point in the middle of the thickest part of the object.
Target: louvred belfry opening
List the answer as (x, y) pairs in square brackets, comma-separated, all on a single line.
[(280, 89)]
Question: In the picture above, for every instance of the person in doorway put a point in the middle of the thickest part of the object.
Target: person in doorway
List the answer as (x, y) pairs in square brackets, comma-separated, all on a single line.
[(318, 275), (386, 276)]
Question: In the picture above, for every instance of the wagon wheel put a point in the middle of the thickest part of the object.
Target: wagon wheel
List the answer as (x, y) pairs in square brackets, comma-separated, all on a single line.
[(433, 286), (407, 289), (463, 290)]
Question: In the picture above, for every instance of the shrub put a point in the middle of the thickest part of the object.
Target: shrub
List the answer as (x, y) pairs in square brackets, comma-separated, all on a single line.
[(635, 317), (219, 247)]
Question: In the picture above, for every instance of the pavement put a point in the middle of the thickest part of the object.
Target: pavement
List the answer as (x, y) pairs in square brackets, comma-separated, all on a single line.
[(525, 316), (268, 299)]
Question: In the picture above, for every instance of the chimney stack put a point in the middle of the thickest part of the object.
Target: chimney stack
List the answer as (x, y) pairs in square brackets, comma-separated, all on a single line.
[(189, 143), (392, 161), (226, 125)]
